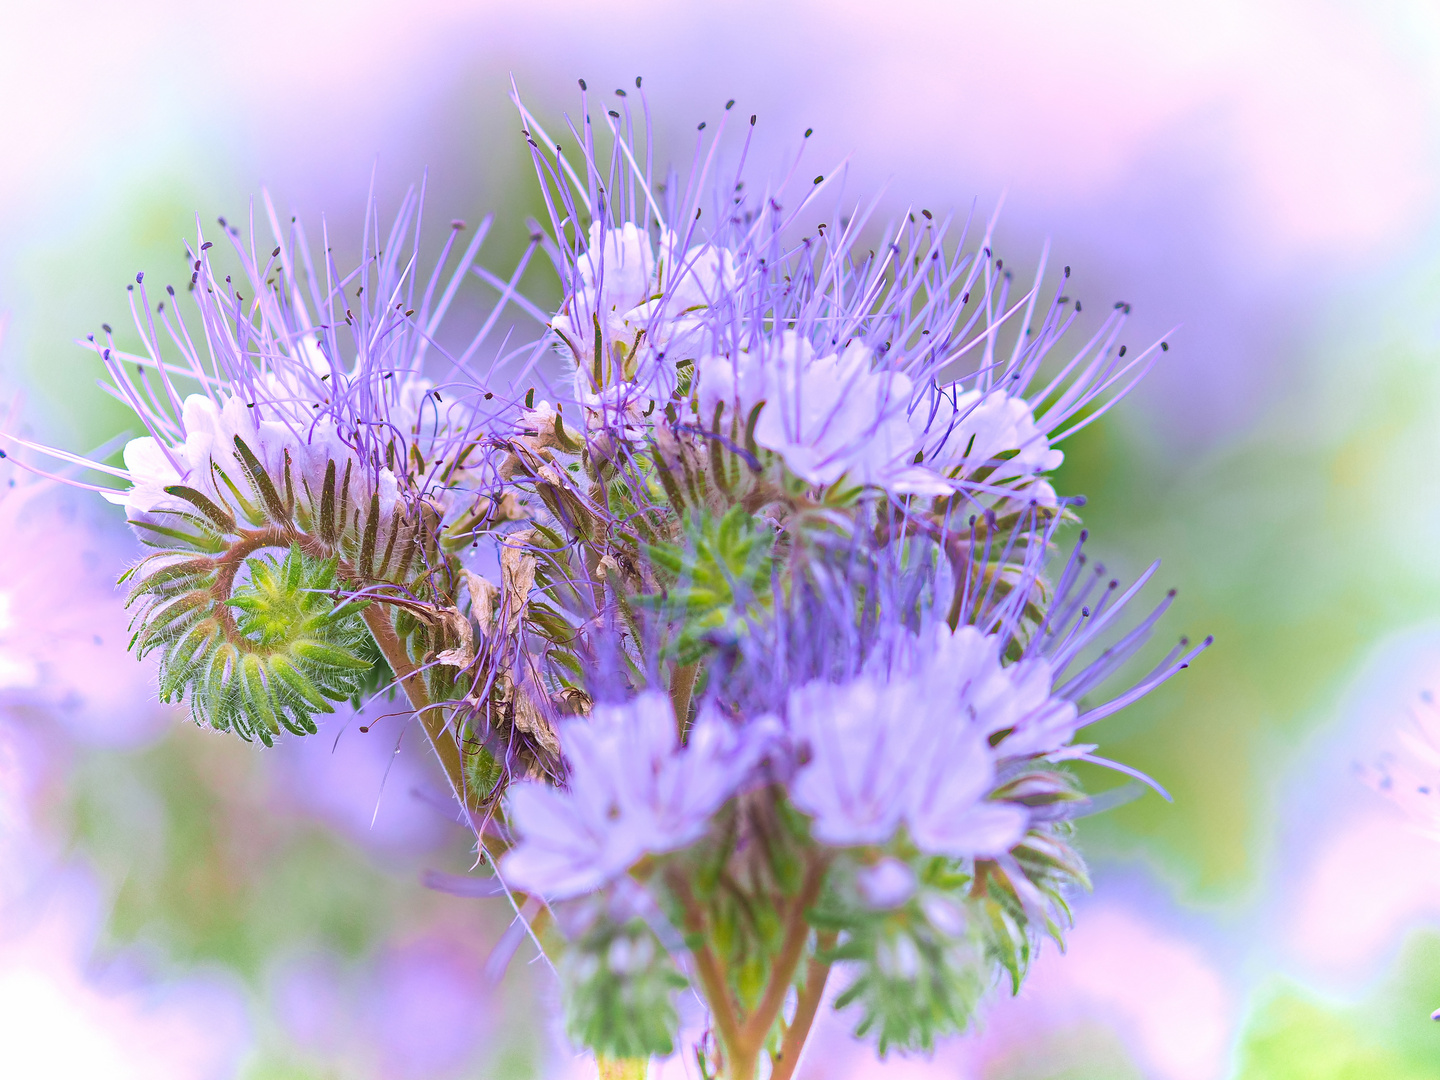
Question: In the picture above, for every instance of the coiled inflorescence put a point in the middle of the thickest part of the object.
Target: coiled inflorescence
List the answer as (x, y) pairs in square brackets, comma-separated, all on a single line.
[(259, 645), (284, 653)]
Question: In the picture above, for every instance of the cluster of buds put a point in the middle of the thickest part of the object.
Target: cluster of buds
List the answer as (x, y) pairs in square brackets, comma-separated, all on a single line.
[(748, 644)]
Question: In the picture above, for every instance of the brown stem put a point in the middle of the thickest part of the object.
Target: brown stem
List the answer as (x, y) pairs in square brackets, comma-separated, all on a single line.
[(432, 718), (782, 972), (711, 975), (817, 973)]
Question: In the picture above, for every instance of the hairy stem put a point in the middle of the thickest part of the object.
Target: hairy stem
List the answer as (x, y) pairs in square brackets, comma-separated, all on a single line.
[(712, 978), (744, 1040), (817, 973), (792, 950), (432, 717)]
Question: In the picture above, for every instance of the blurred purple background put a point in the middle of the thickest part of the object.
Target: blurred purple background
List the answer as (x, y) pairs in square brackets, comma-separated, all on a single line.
[(1264, 175)]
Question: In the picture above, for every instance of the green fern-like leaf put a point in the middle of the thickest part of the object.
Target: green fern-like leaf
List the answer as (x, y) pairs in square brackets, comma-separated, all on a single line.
[(720, 570)]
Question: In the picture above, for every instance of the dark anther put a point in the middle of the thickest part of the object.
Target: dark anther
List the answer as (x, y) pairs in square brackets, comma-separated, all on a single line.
[(207, 245), (582, 85), (809, 132), (457, 224), (1171, 594), (221, 220), (488, 395), (1067, 271), (752, 119), (965, 299), (619, 93), (1164, 346), (139, 277), (1122, 350), (612, 112), (1084, 535), (999, 264), (927, 215), (1119, 304), (637, 82), (170, 289), (276, 252), (729, 104), (701, 127), (129, 288), (818, 179), (1077, 307), (106, 327)]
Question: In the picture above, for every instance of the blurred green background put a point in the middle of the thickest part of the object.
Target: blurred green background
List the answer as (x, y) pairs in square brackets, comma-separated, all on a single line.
[(1263, 175)]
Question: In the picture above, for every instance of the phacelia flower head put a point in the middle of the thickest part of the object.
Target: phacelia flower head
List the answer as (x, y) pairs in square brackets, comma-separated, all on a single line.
[(768, 660), (631, 791), (883, 368), (290, 413)]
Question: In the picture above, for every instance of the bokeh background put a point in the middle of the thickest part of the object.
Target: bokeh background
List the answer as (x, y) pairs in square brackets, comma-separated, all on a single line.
[(1263, 174)]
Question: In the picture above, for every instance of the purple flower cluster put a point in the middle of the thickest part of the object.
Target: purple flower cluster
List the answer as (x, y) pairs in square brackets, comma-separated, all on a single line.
[(744, 646)]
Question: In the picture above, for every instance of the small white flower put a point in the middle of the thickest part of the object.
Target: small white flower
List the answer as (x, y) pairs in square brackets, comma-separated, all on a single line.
[(860, 740), (962, 431), (828, 417), (208, 450), (650, 312), (919, 746), (632, 791)]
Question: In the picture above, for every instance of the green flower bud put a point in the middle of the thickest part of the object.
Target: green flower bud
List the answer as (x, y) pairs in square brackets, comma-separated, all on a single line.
[(267, 657)]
